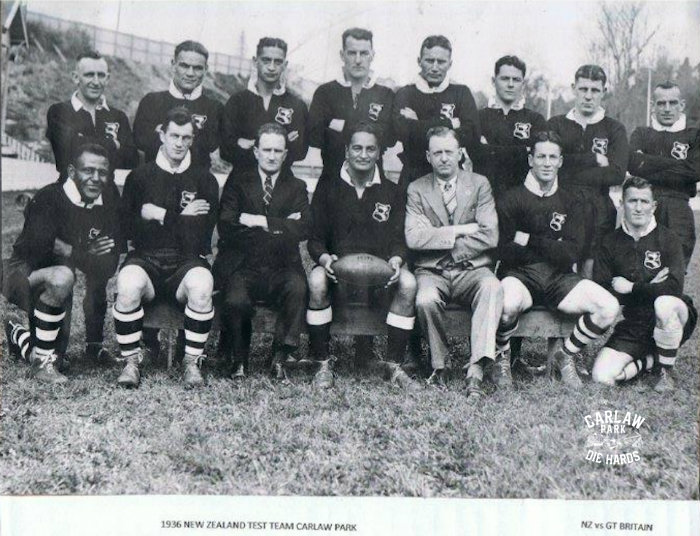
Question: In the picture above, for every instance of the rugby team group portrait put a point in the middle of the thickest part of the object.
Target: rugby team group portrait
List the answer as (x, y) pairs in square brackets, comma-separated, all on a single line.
[(496, 210)]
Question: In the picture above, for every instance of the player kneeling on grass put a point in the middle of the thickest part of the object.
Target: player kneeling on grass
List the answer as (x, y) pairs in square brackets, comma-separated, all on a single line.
[(70, 225), (169, 213), (358, 211), (643, 264), (541, 237)]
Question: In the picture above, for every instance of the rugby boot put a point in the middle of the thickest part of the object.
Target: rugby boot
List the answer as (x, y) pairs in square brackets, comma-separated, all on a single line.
[(130, 375), (500, 372), (564, 363), (192, 373), (397, 376), (44, 369), (11, 328), (665, 382), (475, 391), (324, 378)]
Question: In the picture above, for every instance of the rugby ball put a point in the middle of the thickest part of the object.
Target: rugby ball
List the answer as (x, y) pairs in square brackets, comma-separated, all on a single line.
[(362, 270)]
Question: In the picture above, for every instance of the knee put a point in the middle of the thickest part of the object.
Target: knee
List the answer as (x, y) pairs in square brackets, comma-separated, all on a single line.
[(318, 283), (602, 374), (131, 285), (666, 310), (607, 310), (199, 286), (62, 280), (428, 299), (408, 287)]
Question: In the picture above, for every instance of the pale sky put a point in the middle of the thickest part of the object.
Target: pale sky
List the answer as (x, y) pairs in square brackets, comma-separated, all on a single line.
[(550, 36)]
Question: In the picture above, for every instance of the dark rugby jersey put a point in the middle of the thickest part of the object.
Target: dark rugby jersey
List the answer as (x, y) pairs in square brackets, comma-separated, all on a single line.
[(188, 235), (206, 115), (344, 224), (333, 100), (434, 109), (245, 112), (553, 223), (503, 160), (669, 160)]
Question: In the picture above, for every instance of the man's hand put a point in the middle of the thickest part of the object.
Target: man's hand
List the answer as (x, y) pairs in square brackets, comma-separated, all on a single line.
[(602, 160), (62, 249), (253, 220), (244, 143), (466, 229), (395, 263), (198, 207), (409, 113), (149, 211), (337, 124), (326, 260), (661, 276), (100, 246), (521, 238), (294, 216), (293, 135), (622, 285), (456, 123)]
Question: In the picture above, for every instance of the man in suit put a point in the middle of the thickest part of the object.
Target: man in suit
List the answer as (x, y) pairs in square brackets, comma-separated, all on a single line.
[(264, 215), (451, 224)]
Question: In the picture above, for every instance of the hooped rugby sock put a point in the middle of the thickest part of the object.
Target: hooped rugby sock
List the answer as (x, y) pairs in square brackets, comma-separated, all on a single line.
[(399, 330), (47, 325), (197, 327), (128, 326), (503, 336), (585, 332), (667, 341), (21, 338), (319, 324)]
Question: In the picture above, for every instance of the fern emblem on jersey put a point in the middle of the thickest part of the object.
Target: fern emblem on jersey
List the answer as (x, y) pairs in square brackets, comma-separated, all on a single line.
[(522, 131), (93, 233), (186, 198), (447, 111), (381, 212), (652, 259), (199, 120), (374, 110), (600, 146), (680, 150), (111, 130), (284, 116), (557, 221)]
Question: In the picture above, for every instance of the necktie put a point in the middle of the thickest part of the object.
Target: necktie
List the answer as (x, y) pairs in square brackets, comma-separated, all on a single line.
[(449, 197), (267, 196)]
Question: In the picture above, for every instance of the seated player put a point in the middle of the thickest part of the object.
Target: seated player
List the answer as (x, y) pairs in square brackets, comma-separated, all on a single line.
[(357, 210), (264, 214), (70, 225), (541, 238), (169, 213), (642, 263)]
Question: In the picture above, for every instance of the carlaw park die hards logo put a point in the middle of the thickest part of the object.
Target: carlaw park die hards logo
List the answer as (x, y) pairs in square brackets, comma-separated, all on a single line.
[(614, 437)]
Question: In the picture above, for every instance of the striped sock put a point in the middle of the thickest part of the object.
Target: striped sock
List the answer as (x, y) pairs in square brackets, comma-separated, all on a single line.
[(503, 336), (667, 341), (128, 325), (585, 332), (47, 325), (197, 327), (21, 338)]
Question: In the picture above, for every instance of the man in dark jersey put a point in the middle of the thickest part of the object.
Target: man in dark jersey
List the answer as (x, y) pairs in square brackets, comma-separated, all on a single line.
[(86, 117), (265, 100), (186, 90), (667, 154), (69, 225), (357, 210), (642, 263), (595, 151), (507, 128), (541, 237), (169, 213), (429, 102), (353, 97)]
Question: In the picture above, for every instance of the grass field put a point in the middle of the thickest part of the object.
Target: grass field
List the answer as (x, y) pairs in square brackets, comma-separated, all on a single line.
[(362, 438)]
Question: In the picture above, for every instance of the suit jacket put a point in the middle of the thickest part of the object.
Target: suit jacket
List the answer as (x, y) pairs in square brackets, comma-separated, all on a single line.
[(241, 246), (429, 233)]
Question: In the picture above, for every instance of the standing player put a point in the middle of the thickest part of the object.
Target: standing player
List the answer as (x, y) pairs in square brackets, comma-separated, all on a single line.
[(186, 90), (507, 128), (667, 154), (595, 151), (70, 225), (643, 264), (353, 97), (541, 237), (357, 210), (429, 102), (169, 213), (86, 117), (266, 100)]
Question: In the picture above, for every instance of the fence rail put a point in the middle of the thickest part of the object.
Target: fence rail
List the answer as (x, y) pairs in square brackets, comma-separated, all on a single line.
[(16, 149)]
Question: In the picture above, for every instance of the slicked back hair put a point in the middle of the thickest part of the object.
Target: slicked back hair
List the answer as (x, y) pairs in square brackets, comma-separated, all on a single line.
[(637, 182), (441, 132), (270, 128), (271, 42), (363, 126), (178, 115), (513, 61), (435, 41), (90, 54), (666, 84), (191, 46), (547, 136), (88, 147), (358, 33), (591, 72)]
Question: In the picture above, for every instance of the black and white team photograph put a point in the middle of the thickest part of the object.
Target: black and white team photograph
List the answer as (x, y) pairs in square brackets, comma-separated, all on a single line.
[(314, 267)]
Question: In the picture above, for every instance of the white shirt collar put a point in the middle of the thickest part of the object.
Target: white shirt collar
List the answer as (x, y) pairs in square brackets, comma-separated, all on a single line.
[(423, 87), (345, 175), (196, 92), (597, 117), (162, 163), (371, 80), (72, 193), (263, 175), (649, 229), (678, 126), (78, 104), (533, 186), (497, 104), (253, 80)]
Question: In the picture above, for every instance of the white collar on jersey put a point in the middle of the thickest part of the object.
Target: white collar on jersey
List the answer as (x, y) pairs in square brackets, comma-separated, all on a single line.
[(371, 80), (253, 88), (78, 104), (497, 104), (162, 163), (423, 87), (678, 126), (534, 187), (345, 175), (597, 117), (194, 95), (72, 193), (649, 229)]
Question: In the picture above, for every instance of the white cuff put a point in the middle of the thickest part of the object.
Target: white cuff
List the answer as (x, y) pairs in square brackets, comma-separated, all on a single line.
[(401, 322), (316, 317)]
